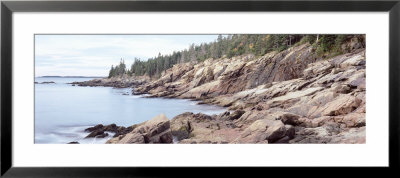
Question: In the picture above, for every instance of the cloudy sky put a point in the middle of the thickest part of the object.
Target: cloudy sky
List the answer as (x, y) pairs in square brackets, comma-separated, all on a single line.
[(93, 55)]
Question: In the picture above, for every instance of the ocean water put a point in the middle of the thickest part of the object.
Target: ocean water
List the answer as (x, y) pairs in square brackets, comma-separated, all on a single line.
[(63, 111)]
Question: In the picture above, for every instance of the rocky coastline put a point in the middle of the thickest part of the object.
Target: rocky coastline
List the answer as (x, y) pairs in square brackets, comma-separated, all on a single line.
[(45, 82), (115, 82), (293, 96)]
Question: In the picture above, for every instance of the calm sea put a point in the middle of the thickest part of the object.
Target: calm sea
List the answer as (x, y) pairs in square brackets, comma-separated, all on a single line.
[(63, 111)]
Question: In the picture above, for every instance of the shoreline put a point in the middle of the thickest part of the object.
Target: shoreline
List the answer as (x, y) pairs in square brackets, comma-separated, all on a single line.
[(274, 98)]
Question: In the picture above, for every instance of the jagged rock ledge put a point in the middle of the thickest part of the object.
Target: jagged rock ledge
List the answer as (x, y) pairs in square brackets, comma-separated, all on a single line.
[(99, 131)]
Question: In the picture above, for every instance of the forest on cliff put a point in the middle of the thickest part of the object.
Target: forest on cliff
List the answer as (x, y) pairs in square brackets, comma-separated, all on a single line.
[(327, 45)]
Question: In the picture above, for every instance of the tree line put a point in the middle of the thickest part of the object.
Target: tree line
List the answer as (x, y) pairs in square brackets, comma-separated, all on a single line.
[(233, 45)]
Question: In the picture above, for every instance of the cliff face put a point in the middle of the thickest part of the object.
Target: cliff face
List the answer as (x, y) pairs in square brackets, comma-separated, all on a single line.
[(287, 97), (228, 76)]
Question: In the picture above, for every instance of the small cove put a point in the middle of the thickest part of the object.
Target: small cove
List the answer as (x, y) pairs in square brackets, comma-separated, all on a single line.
[(63, 111)]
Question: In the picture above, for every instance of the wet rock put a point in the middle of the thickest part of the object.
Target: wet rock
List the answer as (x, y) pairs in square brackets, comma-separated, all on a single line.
[(98, 130), (123, 130), (97, 133), (74, 142), (103, 135), (111, 128), (97, 127)]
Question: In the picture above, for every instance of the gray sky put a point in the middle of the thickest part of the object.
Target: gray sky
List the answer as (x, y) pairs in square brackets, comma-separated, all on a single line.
[(93, 55)]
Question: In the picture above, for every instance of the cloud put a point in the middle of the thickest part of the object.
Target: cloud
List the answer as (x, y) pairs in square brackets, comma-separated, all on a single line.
[(94, 54)]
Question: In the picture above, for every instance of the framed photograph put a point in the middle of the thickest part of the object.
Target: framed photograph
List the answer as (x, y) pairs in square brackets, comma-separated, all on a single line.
[(113, 88)]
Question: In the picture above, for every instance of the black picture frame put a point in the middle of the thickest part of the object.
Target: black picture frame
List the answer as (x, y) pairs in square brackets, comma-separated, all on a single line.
[(8, 7)]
